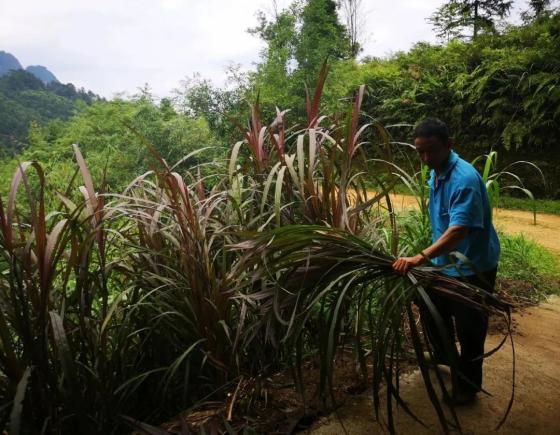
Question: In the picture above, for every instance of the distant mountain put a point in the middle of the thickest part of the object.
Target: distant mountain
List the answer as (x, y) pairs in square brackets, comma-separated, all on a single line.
[(8, 62), (41, 73)]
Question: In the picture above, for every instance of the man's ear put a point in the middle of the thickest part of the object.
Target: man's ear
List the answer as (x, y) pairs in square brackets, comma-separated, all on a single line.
[(451, 143)]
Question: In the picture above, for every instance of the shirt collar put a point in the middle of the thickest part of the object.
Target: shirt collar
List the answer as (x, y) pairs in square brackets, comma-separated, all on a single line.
[(449, 164)]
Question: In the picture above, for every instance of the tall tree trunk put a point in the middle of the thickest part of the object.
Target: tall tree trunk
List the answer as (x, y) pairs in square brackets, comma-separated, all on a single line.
[(475, 20)]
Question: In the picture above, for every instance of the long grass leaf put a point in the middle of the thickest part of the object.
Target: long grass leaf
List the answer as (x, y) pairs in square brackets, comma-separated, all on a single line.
[(278, 194), (17, 407)]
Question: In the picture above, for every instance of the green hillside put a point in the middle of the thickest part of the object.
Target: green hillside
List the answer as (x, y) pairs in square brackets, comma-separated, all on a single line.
[(25, 99)]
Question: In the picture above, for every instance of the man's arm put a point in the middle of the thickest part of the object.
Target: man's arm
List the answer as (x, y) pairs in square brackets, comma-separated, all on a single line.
[(446, 243)]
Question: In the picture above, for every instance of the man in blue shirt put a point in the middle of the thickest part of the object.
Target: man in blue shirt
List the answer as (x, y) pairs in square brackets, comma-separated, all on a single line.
[(461, 220)]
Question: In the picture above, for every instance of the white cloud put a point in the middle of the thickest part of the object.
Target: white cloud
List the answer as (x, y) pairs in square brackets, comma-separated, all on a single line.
[(111, 46)]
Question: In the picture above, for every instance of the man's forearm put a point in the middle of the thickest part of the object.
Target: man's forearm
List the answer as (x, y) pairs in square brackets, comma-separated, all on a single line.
[(447, 242)]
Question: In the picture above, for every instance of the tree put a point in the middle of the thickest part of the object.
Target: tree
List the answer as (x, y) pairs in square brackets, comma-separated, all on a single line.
[(321, 36), (355, 22), (279, 33), (198, 97), (113, 136), (273, 79), (445, 21), (479, 15), (25, 99), (537, 8), (297, 41)]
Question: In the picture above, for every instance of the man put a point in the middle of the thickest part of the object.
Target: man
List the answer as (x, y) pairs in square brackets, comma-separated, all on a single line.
[(460, 216)]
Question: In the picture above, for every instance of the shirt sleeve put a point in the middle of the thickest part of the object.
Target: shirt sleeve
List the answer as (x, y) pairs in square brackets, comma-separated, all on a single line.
[(465, 208)]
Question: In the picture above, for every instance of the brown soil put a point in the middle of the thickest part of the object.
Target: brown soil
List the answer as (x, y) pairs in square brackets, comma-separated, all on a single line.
[(537, 392)]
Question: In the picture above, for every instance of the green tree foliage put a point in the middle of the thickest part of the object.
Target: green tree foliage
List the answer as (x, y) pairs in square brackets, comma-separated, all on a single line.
[(539, 6), (445, 21), (496, 92), (68, 90), (479, 15), (114, 137), (321, 36), (223, 108), (274, 80), (512, 94), (500, 90), (298, 39)]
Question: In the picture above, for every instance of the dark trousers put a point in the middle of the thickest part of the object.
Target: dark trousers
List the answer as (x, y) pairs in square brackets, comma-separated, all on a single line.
[(470, 328)]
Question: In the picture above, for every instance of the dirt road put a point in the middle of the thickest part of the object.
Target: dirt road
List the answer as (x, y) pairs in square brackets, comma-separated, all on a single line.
[(537, 394)]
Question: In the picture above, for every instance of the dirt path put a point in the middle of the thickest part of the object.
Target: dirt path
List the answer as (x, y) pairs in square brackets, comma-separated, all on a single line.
[(537, 394), (546, 231)]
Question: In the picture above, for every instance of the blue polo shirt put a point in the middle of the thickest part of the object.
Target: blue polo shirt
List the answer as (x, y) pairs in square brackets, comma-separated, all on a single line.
[(460, 198)]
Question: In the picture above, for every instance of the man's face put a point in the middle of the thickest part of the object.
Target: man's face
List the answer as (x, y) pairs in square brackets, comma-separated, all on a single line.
[(432, 151)]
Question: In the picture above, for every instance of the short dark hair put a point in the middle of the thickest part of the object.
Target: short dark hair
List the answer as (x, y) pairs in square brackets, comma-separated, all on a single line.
[(432, 127)]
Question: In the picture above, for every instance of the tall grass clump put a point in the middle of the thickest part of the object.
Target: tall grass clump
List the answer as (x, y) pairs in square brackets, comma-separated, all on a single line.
[(496, 184), (58, 345), (118, 305)]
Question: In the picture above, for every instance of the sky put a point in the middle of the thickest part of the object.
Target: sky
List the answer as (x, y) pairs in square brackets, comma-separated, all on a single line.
[(116, 46)]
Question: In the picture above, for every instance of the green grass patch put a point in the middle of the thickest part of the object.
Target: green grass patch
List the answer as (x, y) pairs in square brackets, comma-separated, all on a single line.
[(550, 206), (527, 271)]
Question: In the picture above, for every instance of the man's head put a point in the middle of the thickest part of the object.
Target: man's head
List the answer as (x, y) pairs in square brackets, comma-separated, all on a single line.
[(433, 142)]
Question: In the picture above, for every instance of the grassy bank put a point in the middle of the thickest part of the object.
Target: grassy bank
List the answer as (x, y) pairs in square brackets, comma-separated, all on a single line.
[(527, 272)]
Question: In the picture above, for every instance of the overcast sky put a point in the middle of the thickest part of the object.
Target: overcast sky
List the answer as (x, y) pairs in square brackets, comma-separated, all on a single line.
[(112, 46)]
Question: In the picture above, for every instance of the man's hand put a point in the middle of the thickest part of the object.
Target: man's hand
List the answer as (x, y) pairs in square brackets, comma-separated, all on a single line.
[(403, 264)]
